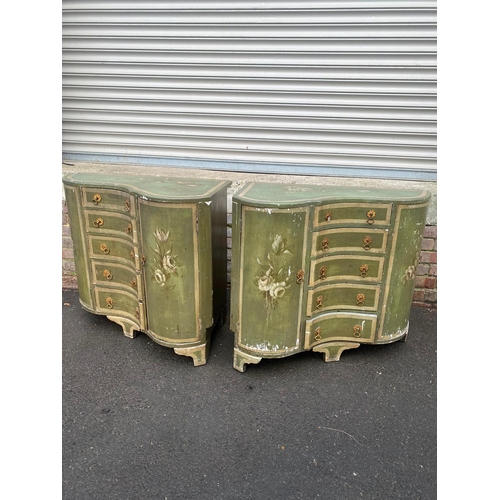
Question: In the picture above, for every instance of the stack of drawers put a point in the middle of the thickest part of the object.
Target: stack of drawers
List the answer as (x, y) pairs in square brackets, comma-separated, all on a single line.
[(322, 268), (111, 224), (348, 255)]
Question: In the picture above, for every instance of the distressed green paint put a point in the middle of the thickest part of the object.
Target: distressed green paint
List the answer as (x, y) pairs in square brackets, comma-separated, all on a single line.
[(73, 203), (410, 224), (261, 210), (171, 295), (344, 297), (349, 238), (273, 243), (150, 187), (112, 274)]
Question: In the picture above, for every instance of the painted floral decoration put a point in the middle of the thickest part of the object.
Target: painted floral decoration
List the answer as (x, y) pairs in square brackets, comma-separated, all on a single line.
[(166, 262), (273, 283)]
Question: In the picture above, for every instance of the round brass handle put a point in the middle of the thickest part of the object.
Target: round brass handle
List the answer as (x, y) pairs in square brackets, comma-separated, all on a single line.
[(317, 334), (360, 299), (133, 283), (322, 273), (104, 248), (325, 244), (371, 216), (107, 274), (109, 302), (97, 198), (363, 270), (367, 241), (357, 331), (328, 216), (129, 228), (300, 276), (319, 302), (98, 222)]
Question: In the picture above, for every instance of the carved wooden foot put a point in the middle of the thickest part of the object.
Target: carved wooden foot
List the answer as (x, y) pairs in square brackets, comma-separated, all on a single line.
[(129, 329), (333, 350), (241, 359), (199, 353)]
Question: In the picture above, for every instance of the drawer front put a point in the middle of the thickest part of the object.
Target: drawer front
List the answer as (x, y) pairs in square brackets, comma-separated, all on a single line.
[(111, 223), (108, 199), (343, 296), (372, 214), (349, 239), (340, 326), (346, 267), (112, 274), (113, 249), (118, 303)]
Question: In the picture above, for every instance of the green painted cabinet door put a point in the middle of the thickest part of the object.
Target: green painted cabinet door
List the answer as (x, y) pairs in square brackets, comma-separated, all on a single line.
[(170, 270), (273, 251)]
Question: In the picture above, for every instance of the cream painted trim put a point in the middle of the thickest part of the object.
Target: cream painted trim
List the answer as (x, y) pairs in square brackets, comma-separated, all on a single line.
[(368, 206), (391, 261), (114, 312), (366, 259), (310, 323), (94, 214), (245, 208), (311, 312), (105, 206), (114, 258), (115, 284), (194, 207), (319, 234)]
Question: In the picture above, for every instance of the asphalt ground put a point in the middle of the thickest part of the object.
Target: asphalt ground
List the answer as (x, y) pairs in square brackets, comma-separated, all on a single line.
[(141, 422)]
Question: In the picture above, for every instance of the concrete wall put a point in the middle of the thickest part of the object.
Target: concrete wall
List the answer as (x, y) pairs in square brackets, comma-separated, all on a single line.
[(426, 282)]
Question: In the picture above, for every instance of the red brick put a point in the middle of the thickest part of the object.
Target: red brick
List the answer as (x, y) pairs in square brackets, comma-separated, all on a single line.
[(422, 269), (64, 207), (427, 244), (420, 281), (418, 295), (67, 253), (433, 270), (430, 296), (430, 283), (68, 265), (430, 257), (430, 232), (67, 242)]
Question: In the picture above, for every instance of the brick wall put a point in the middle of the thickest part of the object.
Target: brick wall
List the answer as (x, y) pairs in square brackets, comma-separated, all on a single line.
[(425, 293)]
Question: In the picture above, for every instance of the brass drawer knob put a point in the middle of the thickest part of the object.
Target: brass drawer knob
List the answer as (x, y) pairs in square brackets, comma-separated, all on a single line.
[(360, 299), (109, 302), (133, 283), (129, 229), (371, 216), (107, 274), (328, 216), (104, 248), (96, 199), (98, 222), (357, 331), (300, 276), (363, 270), (319, 302), (367, 241), (322, 273), (325, 244), (317, 334)]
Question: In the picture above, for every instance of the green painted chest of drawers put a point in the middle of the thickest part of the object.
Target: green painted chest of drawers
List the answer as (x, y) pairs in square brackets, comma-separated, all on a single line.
[(150, 254), (322, 268)]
